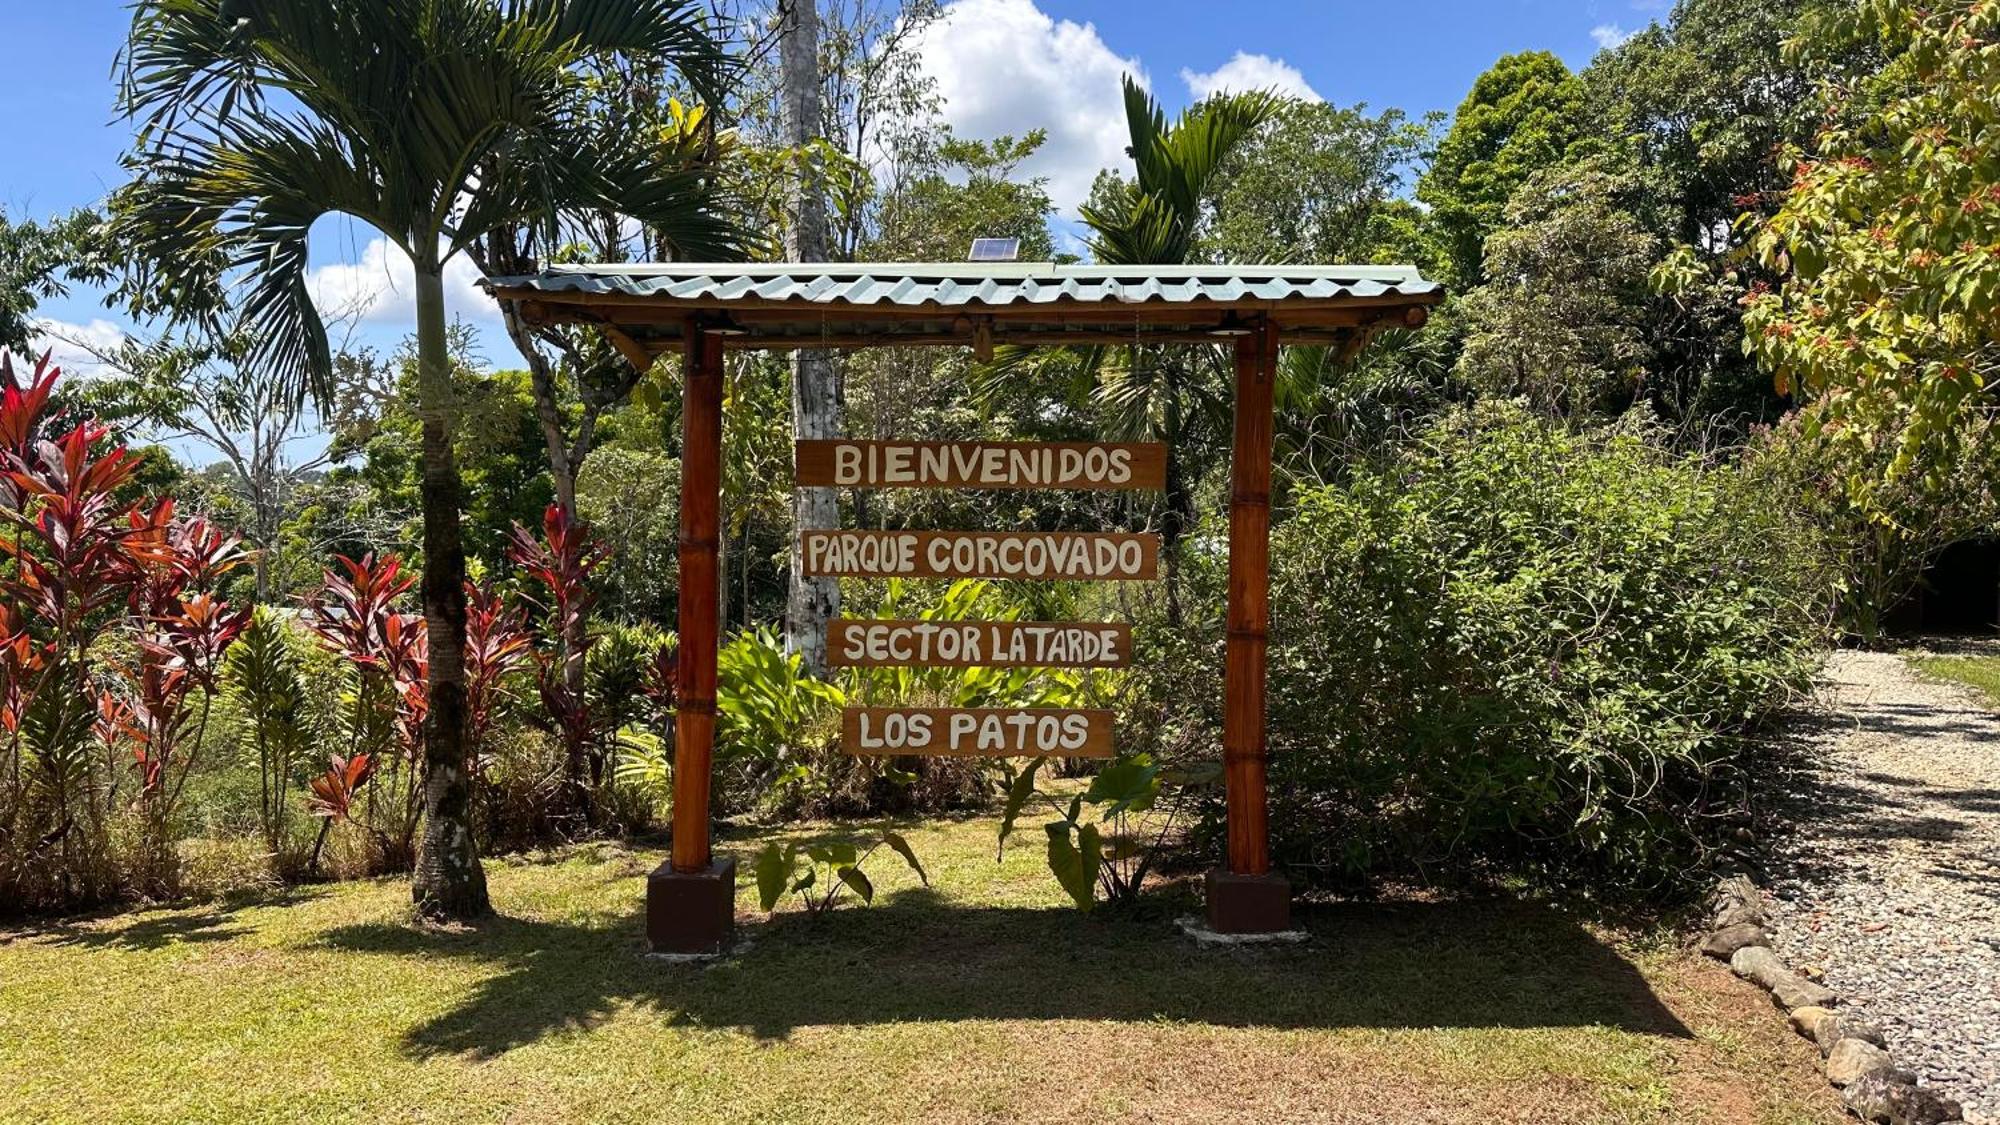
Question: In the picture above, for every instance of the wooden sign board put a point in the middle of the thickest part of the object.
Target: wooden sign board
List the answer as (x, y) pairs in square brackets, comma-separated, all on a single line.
[(969, 644), (975, 732), (1036, 555), (980, 464)]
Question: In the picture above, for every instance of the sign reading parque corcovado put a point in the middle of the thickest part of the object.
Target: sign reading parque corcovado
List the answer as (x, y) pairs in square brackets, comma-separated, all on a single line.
[(976, 732), (1038, 555), (969, 644), (976, 464)]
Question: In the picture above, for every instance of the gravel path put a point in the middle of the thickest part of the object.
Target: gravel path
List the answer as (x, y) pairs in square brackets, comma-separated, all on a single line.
[(1890, 882)]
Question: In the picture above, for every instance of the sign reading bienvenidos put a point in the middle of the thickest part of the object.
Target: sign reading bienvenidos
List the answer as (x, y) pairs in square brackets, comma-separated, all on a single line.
[(976, 464), (1033, 555), (968, 644), (984, 732)]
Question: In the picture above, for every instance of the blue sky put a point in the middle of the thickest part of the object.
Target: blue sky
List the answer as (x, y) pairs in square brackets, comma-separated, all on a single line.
[(1004, 66)]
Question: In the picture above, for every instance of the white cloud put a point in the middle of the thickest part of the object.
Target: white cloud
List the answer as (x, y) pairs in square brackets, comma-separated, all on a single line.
[(73, 347), (1609, 35), (380, 289), (1003, 66), (1245, 72)]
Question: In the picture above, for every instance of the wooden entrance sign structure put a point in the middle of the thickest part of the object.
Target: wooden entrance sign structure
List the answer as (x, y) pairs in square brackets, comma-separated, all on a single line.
[(702, 310)]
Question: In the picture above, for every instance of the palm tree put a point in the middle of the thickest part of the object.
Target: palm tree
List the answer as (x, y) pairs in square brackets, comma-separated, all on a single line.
[(1156, 394), (434, 122)]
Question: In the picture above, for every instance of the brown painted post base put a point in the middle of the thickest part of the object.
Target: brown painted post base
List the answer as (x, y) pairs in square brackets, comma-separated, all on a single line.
[(1248, 904), (691, 912)]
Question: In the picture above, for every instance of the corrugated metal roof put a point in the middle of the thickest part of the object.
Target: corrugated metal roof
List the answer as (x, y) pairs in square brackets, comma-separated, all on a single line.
[(973, 284)]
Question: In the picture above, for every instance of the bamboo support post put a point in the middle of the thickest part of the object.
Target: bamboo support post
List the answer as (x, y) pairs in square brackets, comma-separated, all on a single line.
[(701, 518), (690, 899), (1246, 896)]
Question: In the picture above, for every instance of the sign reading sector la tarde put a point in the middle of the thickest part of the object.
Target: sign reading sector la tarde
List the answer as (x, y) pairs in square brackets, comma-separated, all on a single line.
[(980, 464), (980, 554), (968, 644), (984, 732)]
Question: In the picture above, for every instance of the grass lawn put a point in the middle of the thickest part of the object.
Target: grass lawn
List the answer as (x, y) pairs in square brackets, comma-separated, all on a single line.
[(1979, 672), (980, 999)]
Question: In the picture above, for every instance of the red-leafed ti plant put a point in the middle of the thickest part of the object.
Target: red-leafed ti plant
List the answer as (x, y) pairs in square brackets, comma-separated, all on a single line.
[(562, 561), (332, 794), (65, 567), (354, 613), (496, 643), (171, 682)]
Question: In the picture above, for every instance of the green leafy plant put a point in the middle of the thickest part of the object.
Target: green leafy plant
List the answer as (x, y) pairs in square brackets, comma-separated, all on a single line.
[(1102, 838), (1516, 647), (820, 873), (765, 701), (262, 673), (1885, 311)]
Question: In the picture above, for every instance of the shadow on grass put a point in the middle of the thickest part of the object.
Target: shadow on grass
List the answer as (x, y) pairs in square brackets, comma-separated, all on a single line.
[(914, 958), (150, 931), (160, 927)]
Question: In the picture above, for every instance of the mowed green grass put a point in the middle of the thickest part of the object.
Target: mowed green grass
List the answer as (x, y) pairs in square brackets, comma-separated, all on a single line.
[(1981, 673), (982, 998)]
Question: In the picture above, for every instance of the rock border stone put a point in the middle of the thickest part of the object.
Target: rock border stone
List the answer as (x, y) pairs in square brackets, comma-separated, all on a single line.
[(1856, 1054)]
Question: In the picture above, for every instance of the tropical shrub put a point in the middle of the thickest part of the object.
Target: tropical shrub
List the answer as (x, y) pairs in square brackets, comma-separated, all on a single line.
[(1515, 648), (385, 654), (1103, 839), (264, 675), (111, 643), (819, 872), (561, 561), (1882, 536)]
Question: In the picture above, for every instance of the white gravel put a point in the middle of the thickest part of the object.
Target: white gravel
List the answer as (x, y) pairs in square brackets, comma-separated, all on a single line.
[(1888, 880)]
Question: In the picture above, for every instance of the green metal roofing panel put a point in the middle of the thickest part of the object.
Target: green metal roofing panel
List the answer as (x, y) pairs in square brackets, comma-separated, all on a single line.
[(973, 284)]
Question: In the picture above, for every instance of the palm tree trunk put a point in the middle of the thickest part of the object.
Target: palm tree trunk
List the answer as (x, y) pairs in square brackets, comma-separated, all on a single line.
[(448, 882)]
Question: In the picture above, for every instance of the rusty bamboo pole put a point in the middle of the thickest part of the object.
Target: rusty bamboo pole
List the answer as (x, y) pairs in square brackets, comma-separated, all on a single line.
[(1243, 750), (701, 517)]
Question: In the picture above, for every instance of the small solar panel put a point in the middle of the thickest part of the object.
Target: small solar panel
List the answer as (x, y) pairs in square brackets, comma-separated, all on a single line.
[(995, 249)]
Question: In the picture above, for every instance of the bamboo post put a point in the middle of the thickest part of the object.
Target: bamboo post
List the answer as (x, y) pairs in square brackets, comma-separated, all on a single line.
[(1249, 602), (690, 899), (694, 688), (1247, 897)]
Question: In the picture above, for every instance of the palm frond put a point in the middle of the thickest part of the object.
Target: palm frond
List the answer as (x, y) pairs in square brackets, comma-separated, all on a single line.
[(1012, 363), (676, 32), (1155, 220), (1202, 139), (426, 119)]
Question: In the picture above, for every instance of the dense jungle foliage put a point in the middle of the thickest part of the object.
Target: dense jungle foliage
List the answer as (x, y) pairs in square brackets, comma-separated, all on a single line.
[(1715, 379)]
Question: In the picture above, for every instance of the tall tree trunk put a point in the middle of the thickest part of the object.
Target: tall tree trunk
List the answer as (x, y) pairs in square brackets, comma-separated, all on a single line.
[(816, 407), (448, 882), (1177, 513), (565, 462)]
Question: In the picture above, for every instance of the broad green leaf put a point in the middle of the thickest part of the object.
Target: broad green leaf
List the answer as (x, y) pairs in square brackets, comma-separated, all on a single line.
[(773, 867), (1075, 870), (902, 848), (1127, 785), (1018, 792), (853, 877)]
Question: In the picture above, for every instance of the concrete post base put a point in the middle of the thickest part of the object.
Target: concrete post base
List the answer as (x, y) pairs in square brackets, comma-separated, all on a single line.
[(691, 911), (1248, 904)]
